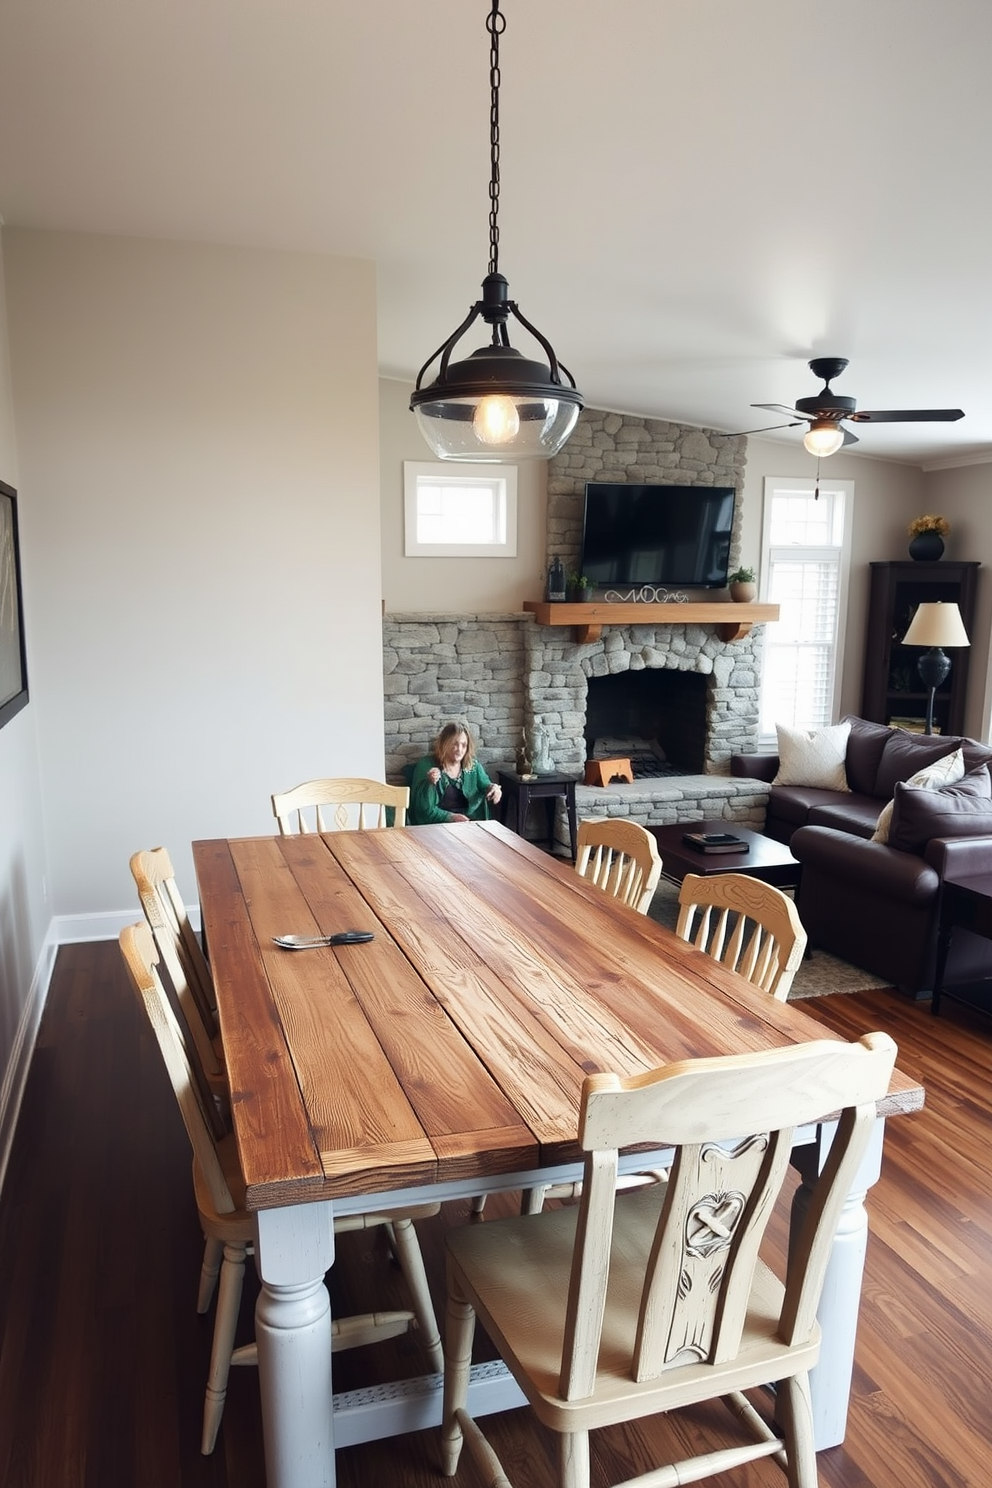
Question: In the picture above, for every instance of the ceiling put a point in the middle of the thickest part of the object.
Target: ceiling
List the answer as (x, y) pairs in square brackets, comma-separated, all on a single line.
[(697, 195)]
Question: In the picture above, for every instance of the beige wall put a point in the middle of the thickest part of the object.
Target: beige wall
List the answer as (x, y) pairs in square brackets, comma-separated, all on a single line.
[(452, 584), (197, 430), (24, 912), (964, 496)]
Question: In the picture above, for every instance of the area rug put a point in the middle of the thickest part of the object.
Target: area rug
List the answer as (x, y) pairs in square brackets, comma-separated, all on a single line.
[(819, 974)]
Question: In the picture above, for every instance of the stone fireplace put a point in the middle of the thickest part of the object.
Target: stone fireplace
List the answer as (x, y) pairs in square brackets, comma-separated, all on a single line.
[(679, 684), (503, 673)]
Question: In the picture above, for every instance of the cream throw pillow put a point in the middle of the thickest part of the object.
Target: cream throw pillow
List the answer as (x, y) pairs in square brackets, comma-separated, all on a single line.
[(948, 770), (813, 757)]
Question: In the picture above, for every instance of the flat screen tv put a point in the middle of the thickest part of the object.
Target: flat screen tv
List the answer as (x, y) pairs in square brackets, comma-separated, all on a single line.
[(665, 536)]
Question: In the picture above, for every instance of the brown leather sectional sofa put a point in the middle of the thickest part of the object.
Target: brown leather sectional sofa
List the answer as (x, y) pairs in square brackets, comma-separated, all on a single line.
[(877, 904)]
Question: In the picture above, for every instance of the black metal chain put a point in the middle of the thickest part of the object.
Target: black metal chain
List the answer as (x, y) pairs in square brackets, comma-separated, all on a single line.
[(495, 25)]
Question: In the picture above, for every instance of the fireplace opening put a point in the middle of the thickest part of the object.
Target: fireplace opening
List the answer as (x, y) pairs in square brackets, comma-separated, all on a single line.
[(658, 713)]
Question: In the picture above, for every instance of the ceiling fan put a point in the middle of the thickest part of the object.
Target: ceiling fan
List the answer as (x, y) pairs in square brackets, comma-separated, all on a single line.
[(827, 411)]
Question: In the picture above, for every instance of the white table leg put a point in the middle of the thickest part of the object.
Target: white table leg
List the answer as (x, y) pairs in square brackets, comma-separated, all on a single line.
[(294, 1248), (830, 1381)]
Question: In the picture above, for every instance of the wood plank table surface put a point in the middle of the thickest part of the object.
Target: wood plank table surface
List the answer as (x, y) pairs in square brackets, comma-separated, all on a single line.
[(444, 1058)]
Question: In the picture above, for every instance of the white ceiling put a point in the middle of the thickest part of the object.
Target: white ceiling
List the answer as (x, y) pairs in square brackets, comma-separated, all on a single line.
[(697, 195)]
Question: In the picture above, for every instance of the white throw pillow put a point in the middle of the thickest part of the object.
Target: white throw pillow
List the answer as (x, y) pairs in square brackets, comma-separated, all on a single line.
[(948, 770), (813, 757)]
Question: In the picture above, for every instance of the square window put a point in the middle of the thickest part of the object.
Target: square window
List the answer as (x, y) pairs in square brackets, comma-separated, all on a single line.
[(459, 511)]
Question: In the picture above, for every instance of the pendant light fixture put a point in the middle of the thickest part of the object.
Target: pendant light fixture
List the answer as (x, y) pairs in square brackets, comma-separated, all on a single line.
[(496, 404)]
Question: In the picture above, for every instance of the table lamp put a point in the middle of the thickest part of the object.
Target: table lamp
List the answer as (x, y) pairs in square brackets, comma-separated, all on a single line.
[(935, 625)]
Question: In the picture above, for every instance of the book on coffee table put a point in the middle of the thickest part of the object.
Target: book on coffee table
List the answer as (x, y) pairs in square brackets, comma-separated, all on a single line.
[(715, 842)]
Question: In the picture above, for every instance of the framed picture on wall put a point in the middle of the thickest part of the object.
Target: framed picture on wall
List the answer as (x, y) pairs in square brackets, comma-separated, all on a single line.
[(13, 661)]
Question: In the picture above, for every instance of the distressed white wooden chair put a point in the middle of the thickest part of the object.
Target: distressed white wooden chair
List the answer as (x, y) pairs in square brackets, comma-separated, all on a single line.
[(620, 857), (179, 949), (639, 1303), (219, 1189), (750, 926), (304, 809)]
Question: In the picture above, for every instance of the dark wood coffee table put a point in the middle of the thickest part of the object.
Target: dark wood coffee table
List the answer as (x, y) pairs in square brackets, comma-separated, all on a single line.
[(766, 859)]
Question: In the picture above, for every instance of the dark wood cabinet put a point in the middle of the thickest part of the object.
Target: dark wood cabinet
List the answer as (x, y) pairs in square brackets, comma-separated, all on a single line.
[(893, 691)]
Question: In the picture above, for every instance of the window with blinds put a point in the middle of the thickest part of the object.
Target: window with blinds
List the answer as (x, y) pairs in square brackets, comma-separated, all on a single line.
[(805, 566)]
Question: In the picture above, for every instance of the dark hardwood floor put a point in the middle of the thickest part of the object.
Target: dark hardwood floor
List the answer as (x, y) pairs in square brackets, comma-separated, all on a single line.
[(103, 1358)]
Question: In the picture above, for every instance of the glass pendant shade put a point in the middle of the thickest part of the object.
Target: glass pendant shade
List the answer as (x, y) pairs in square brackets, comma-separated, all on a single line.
[(823, 438), (536, 431)]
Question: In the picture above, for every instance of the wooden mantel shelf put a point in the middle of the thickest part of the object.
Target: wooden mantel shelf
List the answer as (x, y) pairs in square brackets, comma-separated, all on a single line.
[(732, 621)]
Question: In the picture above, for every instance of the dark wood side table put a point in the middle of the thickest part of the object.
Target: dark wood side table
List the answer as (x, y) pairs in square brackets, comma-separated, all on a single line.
[(518, 794), (965, 904)]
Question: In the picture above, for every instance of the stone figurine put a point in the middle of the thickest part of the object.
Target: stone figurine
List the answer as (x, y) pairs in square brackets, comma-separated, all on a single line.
[(541, 750)]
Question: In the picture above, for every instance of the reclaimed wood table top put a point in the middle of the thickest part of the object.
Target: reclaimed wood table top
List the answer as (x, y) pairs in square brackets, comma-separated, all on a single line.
[(454, 1045)]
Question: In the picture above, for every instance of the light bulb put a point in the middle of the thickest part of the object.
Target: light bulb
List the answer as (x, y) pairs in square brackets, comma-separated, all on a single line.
[(824, 437), (496, 420)]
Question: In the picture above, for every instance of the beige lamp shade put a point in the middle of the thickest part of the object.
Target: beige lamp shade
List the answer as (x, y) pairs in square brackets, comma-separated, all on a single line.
[(936, 624)]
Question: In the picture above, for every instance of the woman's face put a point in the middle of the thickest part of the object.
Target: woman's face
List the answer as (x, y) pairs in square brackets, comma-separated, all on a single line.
[(456, 750)]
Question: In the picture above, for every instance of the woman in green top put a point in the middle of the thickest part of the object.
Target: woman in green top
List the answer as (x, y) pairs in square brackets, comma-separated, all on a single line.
[(449, 784)]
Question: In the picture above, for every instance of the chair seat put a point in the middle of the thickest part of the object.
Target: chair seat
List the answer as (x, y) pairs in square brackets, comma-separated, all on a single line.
[(522, 1307)]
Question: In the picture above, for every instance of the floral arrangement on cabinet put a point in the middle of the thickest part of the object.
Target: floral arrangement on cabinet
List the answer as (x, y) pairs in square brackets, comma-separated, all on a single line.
[(929, 523)]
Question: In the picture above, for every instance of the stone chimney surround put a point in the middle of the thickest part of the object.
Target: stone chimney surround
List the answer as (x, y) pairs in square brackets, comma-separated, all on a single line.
[(504, 673)]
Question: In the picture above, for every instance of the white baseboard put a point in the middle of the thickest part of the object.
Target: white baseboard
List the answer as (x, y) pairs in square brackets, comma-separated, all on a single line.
[(16, 1074), (105, 925)]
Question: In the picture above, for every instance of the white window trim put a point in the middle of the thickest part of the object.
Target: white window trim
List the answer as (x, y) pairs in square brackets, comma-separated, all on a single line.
[(460, 473), (773, 483)]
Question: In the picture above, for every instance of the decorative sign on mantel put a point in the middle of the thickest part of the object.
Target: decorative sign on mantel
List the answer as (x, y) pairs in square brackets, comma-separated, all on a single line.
[(648, 594)]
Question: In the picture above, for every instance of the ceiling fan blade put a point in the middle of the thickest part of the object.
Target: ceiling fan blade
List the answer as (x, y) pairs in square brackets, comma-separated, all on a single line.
[(849, 438), (780, 408), (768, 427), (907, 416)]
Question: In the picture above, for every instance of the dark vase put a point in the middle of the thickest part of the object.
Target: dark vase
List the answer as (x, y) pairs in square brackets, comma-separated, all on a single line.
[(926, 547)]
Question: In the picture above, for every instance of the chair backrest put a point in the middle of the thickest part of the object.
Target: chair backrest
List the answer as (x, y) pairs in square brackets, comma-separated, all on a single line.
[(179, 948), (621, 858), (731, 1122), (141, 959), (350, 798), (750, 926)]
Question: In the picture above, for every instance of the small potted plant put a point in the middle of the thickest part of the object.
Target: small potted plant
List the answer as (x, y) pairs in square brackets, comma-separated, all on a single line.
[(742, 585), (927, 535), (580, 588)]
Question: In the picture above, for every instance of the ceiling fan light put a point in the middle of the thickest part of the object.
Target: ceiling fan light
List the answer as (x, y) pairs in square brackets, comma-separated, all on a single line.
[(823, 437)]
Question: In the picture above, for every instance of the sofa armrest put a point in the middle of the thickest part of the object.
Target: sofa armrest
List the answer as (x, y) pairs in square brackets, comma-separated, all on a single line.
[(874, 867), (959, 855), (754, 766)]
